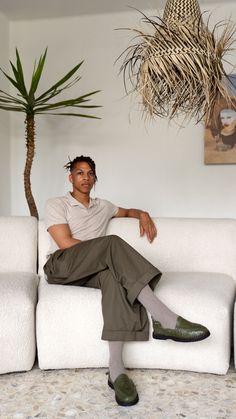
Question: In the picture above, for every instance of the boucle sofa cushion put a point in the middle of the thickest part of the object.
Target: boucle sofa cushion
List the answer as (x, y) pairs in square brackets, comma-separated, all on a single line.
[(234, 327), (205, 298), (181, 245), (202, 252), (184, 244), (18, 244), (18, 297), (69, 326)]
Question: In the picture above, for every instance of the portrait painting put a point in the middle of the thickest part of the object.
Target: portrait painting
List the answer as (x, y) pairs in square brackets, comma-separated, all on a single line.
[(220, 132)]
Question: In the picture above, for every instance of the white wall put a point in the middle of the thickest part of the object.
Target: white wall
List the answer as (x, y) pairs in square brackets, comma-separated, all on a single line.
[(152, 166), (5, 182)]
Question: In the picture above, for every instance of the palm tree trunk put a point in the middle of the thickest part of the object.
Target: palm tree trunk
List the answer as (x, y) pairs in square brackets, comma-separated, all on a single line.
[(30, 148)]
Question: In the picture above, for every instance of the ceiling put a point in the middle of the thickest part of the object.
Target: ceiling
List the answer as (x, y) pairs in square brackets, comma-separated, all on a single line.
[(43, 9)]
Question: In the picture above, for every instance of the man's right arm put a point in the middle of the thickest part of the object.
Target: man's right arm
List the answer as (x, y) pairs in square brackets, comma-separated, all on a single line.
[(61, 234)]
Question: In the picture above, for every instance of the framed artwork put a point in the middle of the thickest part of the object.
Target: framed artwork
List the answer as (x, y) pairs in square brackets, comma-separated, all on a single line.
[(220, 133)]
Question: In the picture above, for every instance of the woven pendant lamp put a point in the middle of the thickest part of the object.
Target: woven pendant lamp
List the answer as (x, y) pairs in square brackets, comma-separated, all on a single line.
[(181, 11), (177, 69)]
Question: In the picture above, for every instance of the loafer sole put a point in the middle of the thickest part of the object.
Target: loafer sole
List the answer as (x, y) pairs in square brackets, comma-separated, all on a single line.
[(120, 402), (180, 339)]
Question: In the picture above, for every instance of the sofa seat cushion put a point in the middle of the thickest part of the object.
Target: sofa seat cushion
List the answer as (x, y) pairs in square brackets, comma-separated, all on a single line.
[(234, 321), (69, 326), (205, 298), (18, 297)]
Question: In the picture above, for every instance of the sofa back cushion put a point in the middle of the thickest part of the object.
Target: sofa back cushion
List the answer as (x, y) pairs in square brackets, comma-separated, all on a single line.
[(18, 244), (43, 245), (182, 244)]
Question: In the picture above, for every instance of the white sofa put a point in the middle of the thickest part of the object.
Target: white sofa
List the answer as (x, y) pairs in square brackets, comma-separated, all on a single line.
[(18, 293), (198, 261)]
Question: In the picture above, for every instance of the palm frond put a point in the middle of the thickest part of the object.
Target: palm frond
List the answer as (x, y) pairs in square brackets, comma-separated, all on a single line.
[(20, 75), (10, 101), (87, 106), (12, 108), (57, 91), (61, 81), (28, 103), (6, 96), (65, 103), (15, 84), (37, 73), (70, 114)]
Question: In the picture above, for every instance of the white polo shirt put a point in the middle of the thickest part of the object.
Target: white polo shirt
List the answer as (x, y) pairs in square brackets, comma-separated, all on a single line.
[(84, 222)]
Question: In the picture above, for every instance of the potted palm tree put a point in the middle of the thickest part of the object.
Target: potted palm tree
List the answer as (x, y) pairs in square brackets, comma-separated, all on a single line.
[(31, 104)]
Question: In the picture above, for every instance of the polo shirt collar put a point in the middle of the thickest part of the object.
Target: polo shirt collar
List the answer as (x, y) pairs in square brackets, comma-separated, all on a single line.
[(74, 203)]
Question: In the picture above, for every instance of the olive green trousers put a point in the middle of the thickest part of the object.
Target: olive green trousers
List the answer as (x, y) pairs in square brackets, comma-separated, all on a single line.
[(112, 265)]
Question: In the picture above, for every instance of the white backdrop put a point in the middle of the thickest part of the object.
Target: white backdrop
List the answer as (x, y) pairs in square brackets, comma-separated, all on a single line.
[(152, 166), (5, 181)]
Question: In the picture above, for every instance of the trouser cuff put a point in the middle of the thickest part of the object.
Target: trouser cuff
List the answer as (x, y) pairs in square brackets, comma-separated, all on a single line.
[(151, 277), (125, 336)]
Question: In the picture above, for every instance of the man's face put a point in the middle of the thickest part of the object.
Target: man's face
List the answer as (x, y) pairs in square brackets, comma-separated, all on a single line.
[(82, 177)]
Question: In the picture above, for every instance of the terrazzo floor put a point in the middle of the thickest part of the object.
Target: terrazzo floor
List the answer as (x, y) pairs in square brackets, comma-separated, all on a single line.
[(83, 393)]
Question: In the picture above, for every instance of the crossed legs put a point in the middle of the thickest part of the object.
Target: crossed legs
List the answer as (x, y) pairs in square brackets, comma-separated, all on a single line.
[(126, 280)]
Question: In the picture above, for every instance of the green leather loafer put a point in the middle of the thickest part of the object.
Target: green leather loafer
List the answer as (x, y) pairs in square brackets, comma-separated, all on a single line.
[(184, 331), (125, 390)]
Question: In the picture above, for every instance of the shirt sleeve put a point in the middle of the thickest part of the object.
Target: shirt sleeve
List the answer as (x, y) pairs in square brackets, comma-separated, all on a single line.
[(55, 212), (111, 208)]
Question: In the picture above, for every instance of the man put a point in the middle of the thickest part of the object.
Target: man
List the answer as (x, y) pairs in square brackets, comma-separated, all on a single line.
[(82, 255)]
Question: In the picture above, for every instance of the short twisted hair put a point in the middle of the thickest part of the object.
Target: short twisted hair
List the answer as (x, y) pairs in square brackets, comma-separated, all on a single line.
[(71, 163)]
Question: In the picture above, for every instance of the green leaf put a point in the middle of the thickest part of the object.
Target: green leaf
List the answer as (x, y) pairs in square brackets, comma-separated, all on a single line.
[(4, 100), (89, 94), (87, 106), (14, 71), (12, 108), (7, 96), (69, 114), (24, 102), (20, 74), (56, 92), (58, 105), (37, 73), (18, 81), (66, 103), (11, 80), (61, 81)]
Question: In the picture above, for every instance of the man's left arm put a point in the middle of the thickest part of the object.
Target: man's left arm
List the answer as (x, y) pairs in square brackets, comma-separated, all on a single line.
[(146, 223)]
